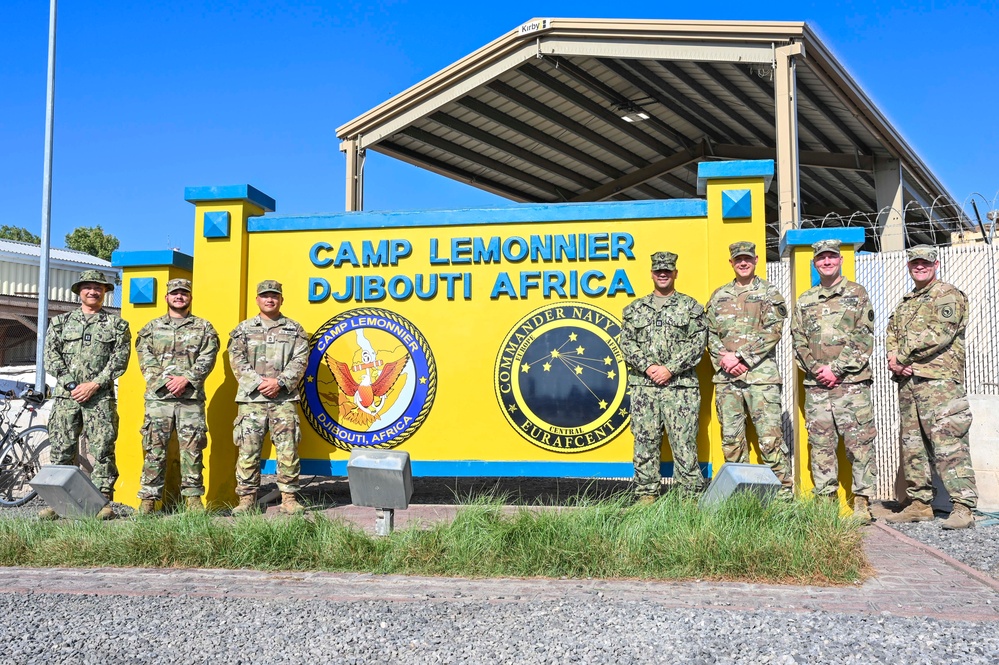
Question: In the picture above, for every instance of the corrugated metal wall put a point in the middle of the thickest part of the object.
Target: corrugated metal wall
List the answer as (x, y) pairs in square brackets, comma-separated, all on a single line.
[(21, 279), (972, 268)]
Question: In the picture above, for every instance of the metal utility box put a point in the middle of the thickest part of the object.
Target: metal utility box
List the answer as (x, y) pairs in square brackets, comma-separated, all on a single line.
[(380, 478), (68, 491), (734, 477)]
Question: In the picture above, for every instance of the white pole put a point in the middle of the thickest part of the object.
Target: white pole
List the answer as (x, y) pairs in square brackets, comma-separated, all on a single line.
[(43, 259)]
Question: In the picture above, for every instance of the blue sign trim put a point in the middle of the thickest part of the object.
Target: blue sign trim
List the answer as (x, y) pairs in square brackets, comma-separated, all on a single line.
[(754, 168), (515, 214), (849, 235), (479, 468), (230, 193), (152, 259)]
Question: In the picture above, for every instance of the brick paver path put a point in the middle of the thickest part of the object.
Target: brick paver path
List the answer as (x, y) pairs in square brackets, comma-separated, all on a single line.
[(911, 579)]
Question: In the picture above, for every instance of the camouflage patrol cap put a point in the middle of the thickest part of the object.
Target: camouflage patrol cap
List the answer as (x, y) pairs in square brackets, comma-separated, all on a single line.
[(831, 245), (742, 248), (269, 286), (925, 252), (92, 276), (664, 261), (178, 284)]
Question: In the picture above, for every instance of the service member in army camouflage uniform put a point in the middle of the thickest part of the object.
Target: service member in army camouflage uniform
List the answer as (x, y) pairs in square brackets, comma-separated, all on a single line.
[(926, 354), (268, 354), (86, 350), (833, 331), (176, 353), (662, 339), (744, 319)]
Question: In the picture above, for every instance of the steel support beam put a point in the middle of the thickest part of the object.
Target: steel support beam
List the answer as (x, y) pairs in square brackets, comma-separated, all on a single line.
[(642, 175), (889, 192), (786, 103), (355, 175)]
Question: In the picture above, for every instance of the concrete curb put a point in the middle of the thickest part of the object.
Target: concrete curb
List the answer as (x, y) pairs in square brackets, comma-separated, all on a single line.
[(984, 578)]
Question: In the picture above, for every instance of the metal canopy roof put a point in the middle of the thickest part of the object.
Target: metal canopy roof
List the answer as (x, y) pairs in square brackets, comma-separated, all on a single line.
[(538, 115)]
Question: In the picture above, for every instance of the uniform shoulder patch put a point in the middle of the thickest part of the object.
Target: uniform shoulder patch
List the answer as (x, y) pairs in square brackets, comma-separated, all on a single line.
[(870, 315), (781, 308)]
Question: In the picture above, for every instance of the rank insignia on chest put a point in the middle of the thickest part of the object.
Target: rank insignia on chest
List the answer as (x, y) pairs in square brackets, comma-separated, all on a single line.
[(270, 339), (660, 323), (86, 338)]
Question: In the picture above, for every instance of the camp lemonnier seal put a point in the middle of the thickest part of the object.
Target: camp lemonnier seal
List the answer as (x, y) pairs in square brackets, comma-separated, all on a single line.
[(561, 379), (370, 381)]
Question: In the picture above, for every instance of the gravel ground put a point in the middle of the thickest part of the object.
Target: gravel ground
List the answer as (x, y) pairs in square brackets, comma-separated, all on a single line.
[(46, 628)]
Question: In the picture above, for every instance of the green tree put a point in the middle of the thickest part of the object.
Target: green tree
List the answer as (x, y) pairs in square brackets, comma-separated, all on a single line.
[(93, 241), (18, 233)]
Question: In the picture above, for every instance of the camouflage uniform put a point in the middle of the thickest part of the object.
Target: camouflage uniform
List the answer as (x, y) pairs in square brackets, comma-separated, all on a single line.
[(260, 349), (926, 332), (747, 321), (672, 336), (835, 327), (184, 347), (82, 349)]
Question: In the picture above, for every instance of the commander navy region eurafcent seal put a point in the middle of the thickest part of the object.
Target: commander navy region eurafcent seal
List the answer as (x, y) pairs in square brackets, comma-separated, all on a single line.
[(561, 379)]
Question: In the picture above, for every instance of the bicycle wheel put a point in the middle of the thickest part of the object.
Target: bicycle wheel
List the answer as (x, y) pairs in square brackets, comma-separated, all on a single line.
[(19, 462)]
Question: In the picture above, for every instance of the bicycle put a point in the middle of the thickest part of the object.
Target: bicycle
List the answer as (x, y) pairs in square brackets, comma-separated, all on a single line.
[(23, 451)]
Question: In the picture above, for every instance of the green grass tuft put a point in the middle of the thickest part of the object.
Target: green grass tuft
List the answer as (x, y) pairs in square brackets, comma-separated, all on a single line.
[(801, 542)]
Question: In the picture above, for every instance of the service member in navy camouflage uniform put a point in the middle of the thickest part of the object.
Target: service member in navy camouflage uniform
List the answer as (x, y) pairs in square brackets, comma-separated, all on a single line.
[(662, 338), (86, 350)]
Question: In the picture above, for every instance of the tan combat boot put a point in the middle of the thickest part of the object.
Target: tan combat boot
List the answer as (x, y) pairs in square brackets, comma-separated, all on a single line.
[(862, 509), (960, 518), (107, 512), (193, 503), (247, 505), (290, 505), (645, 500), (917, 511), (147, 507), (47, 514)]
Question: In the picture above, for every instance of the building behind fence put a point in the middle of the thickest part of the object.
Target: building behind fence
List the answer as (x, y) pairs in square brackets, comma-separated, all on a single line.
[(973, 268)]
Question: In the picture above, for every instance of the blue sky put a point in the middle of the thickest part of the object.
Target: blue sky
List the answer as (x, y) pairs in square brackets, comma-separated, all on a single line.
[(158, 95)]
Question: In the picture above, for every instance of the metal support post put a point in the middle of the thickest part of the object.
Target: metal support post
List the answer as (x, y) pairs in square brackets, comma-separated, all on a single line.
[(788, 166)]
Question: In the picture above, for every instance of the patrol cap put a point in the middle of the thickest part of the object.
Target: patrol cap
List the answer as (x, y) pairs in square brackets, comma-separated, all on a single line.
[(178, 284), (269, 286), (94, 276), (925, 252), (664, 261), (742, 248), (831, 245)]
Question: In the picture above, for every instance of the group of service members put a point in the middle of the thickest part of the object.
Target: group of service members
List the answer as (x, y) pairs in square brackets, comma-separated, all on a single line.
[(664, 334), (663, 338), (88, 348)]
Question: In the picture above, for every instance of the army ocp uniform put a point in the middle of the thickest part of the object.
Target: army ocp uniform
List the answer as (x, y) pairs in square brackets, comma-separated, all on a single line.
[(926, 331), (747, 321), (260, 349), (835, 326), (187, 347)]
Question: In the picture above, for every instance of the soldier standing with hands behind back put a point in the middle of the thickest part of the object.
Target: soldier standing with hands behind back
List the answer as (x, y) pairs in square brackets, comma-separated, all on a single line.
[(662, 338), (745, 318), (926, 354), (86, 350), (176, 353), (268, 354), (833, 330)]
